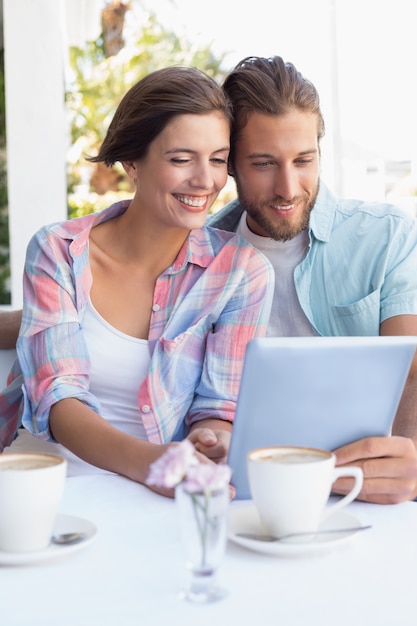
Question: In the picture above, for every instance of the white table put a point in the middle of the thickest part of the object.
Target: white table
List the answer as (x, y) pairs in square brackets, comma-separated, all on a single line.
[(132, 572)]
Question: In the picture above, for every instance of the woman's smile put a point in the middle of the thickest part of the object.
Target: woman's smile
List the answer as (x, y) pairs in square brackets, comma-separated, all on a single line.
[(193, 203)]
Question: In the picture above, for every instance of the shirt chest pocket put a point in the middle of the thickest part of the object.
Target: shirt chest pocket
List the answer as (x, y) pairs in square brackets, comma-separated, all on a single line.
[(360, 318), (181, 362)]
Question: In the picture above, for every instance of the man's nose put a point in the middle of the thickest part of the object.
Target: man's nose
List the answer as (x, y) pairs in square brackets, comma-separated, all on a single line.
[(285, 183)]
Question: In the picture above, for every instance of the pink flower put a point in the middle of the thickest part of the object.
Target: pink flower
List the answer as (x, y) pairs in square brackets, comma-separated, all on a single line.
[(171, 468), (180, 464), (207, 478)]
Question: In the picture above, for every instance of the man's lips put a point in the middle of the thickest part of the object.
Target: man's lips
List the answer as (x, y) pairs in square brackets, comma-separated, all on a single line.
[(283, 207), (284, 210)]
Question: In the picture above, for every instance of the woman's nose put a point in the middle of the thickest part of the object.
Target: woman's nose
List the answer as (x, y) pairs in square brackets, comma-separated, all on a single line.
[(202, 177)]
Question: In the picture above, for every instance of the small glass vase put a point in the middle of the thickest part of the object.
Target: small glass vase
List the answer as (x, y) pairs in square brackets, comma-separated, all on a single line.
[(203, 525)]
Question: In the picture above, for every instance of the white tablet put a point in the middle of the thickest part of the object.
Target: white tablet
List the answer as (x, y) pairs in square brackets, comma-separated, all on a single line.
[(321, 392)]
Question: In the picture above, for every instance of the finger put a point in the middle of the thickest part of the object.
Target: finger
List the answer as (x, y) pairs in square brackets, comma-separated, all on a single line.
[(162, 491), (202, 436), (379, 490), (374, 447), (203, 458), (215, 453), (386, 467)]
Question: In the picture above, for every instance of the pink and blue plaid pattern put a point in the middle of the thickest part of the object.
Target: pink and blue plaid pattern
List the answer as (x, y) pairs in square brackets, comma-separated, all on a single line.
[(214, 298)]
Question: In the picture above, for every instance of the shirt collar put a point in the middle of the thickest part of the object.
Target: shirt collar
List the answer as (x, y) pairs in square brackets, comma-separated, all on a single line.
[(323, 214), (78, 229), (197, 248)]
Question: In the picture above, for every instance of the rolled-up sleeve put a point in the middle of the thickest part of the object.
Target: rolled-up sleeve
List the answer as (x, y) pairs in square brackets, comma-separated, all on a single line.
[(51, 349)]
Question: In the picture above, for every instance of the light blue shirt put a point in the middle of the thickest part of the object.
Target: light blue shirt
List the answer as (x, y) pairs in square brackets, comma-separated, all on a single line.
[(360, 268)]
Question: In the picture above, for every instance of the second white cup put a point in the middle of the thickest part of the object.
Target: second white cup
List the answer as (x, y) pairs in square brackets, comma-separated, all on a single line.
[(290, 487)]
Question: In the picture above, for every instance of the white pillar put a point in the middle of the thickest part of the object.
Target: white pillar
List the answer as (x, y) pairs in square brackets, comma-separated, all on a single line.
[(36, 125)]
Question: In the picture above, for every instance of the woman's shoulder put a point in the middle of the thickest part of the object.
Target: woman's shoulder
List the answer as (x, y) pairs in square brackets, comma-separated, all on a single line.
[(237, 244)]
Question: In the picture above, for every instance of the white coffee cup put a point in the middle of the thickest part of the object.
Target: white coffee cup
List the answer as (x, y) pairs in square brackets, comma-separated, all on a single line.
[(31, 488), (290, 487)]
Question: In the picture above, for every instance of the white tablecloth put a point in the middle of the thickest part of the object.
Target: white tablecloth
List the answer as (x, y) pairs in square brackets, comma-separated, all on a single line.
[(132, 572)]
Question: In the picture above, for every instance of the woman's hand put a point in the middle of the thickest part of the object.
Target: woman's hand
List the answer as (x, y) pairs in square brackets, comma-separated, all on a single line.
[(211, 437)]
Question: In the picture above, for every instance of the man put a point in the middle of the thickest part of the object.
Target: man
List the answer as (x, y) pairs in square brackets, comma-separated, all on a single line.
[(342, 267)]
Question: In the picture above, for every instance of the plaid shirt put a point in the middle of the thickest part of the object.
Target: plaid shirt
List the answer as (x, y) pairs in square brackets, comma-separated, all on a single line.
[(207, 305)]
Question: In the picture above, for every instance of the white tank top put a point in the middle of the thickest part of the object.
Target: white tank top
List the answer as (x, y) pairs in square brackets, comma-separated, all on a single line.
[(287, 318), (119, 365)]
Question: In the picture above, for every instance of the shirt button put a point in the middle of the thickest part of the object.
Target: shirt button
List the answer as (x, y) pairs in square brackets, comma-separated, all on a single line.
[(146, 408), (155, 307)]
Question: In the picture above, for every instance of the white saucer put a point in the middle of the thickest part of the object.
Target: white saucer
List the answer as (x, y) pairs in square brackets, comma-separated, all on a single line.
[(63, 524), (245, 519)]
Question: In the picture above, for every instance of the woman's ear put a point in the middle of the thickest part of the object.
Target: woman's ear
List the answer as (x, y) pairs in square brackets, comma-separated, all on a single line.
[(130, 169)]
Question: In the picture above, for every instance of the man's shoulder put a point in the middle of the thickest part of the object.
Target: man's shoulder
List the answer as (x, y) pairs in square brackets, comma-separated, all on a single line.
[(383, 215), (331, 215), (377, 208), (228, 217)]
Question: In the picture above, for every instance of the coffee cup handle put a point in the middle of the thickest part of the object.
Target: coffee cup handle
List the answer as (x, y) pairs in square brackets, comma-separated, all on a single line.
[(339, 472)]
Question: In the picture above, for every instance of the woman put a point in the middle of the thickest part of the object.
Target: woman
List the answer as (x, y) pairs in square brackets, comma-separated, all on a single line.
[(136, 319)]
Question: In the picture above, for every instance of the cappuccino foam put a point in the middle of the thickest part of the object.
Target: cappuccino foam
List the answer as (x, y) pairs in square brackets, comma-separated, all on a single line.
[(292, 457), (27, 462)]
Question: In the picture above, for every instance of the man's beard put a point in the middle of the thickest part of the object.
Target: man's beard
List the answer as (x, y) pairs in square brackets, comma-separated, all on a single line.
[(279, 229)]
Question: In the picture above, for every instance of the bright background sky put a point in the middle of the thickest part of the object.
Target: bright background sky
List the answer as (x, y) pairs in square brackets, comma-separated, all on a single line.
[(360, 54)]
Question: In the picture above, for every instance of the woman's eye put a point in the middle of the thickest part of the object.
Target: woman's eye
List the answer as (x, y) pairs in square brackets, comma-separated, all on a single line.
[(179, 160), (219, 161)]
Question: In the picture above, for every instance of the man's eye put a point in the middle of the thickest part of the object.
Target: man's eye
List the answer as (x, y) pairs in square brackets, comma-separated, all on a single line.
[(261, 164)]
